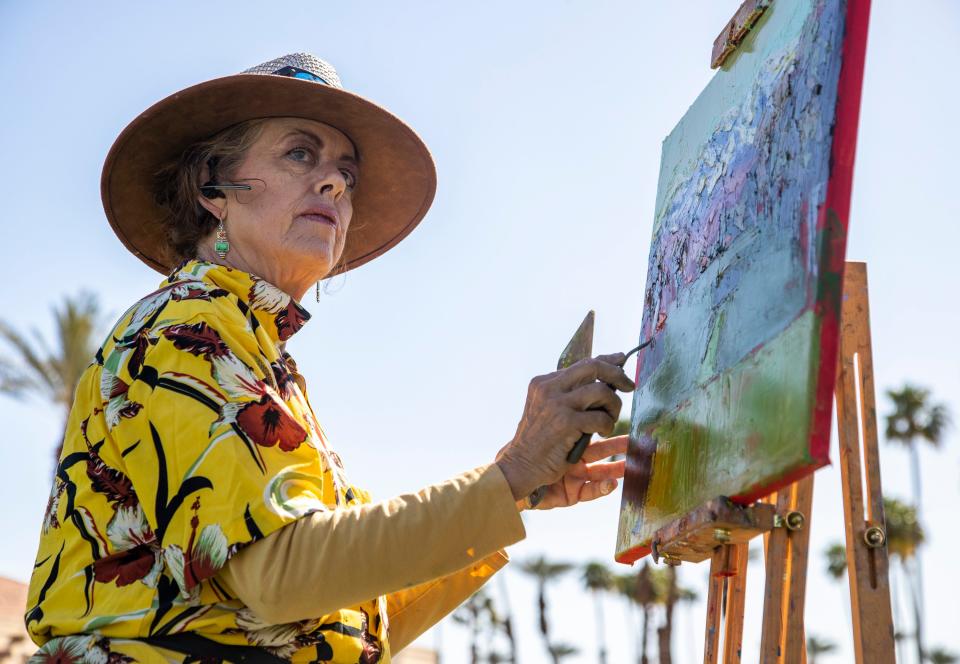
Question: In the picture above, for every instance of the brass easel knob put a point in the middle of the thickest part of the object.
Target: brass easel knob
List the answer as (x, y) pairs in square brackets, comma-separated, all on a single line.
[(795, 520), (874, 537)]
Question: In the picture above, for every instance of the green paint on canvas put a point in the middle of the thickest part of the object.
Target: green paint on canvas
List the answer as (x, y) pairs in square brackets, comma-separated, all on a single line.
[(751, 421)]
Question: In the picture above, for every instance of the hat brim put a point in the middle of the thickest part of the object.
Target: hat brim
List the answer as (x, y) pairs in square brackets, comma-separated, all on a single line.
[(398, 176)]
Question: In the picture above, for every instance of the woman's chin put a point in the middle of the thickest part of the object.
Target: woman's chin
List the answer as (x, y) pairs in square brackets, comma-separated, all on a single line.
[(322, 260)]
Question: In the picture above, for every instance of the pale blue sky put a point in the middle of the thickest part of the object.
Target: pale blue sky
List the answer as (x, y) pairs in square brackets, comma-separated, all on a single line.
[(546, 120)]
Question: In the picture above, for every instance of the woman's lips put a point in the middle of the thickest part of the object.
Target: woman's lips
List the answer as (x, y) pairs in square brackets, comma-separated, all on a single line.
[(321, 215)]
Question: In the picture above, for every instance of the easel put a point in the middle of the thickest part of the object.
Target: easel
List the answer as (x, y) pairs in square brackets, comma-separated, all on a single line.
[(721, 530)]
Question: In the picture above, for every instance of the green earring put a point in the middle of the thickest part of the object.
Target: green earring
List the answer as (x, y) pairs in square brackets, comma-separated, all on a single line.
[(222, 245)]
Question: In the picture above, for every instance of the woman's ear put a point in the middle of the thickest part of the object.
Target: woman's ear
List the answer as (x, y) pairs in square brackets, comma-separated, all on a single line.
[(215, 205)]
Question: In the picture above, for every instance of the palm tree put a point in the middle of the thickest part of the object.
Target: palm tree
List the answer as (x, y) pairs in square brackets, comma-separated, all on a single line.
[(545, 572), (904, 537), (507, 619), (941, 656), (638, 590), (836, 555), (836, 558), (52, 373), (468, 615), (558, 651), (598, 579), (495, 624), (915, 418), (479, 615), (667, 593), (623, 585), (817, 646)]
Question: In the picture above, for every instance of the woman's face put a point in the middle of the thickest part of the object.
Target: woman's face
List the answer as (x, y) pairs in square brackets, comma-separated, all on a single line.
[(290, 229)]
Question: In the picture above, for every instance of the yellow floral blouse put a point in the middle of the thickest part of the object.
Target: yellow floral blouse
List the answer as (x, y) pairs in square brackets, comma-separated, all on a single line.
[(190, 437)]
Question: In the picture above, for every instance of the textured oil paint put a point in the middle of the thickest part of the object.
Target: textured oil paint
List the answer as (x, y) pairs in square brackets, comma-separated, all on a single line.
[(745, 272)]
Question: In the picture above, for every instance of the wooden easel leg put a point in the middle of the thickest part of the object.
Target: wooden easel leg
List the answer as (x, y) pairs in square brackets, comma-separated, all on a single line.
[(736, 598), (775, 562), (867, 561), (782, 634), (727, 568), (794, 639), (711, 641)]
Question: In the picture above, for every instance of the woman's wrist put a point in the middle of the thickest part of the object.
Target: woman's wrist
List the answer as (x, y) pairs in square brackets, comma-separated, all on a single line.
[(513, 478)]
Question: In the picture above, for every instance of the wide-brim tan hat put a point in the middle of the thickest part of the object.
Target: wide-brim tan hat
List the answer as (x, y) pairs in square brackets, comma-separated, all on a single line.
[(397, 172)]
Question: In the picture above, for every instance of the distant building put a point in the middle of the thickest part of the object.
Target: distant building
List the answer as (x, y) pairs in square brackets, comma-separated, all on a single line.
[(414, 655), (15, 645)]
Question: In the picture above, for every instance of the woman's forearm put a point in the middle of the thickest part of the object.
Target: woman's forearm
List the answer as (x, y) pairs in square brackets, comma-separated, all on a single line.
[(335, 559)]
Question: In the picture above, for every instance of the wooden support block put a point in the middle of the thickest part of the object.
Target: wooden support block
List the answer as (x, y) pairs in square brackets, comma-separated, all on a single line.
[(694, 537)]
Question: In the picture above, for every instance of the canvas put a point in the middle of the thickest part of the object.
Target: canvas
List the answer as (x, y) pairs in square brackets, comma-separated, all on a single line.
[(744, 276)]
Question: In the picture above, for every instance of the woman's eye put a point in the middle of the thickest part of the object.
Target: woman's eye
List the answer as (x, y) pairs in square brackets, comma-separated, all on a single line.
[(300, 154), (349, 178)]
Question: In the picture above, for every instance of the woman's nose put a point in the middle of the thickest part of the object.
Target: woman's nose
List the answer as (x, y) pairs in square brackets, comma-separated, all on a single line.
[(332, 182)]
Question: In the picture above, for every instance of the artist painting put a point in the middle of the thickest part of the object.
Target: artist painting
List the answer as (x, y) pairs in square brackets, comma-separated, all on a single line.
[(199, 512)]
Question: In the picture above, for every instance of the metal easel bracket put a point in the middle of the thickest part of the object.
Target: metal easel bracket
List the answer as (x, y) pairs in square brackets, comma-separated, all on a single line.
[(736, 30)]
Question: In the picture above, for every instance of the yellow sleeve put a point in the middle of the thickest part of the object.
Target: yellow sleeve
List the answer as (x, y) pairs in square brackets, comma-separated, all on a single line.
[(449, 532)]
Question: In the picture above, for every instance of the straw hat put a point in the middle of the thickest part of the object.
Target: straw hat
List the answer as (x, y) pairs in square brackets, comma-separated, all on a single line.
[(399, 177)]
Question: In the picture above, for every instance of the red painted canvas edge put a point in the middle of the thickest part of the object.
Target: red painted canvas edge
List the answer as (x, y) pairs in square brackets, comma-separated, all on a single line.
[(836, 208)]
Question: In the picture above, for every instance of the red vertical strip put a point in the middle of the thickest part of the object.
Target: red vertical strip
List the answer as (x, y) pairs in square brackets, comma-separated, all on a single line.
[(836, 211)]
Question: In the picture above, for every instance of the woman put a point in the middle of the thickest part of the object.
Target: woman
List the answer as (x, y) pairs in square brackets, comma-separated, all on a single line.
[(199, 513)]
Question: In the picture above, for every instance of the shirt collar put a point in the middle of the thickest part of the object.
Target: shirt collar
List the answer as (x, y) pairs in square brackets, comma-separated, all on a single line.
[(278, 313)]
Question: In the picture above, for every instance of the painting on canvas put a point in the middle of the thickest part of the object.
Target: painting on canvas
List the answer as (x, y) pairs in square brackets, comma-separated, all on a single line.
[(745, 272)]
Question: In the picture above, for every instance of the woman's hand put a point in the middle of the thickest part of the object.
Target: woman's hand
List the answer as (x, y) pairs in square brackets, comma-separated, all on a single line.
[(590, 478), (560, 408)]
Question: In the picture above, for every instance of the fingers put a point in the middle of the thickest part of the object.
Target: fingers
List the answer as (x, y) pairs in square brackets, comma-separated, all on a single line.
[(594, 421), (607, 447), (612, 470), (593, 490), (596, 395), (617, 359), (603, 368)]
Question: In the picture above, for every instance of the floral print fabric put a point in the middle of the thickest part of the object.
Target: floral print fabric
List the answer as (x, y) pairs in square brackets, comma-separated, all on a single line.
[(190, 437)]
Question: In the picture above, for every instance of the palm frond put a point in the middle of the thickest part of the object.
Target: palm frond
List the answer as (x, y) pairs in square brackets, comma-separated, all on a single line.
[(914, 417), (14, 381), (597, 576), (52, 371), (34, 366), (940, 656), (543, 569), (904, 532)]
